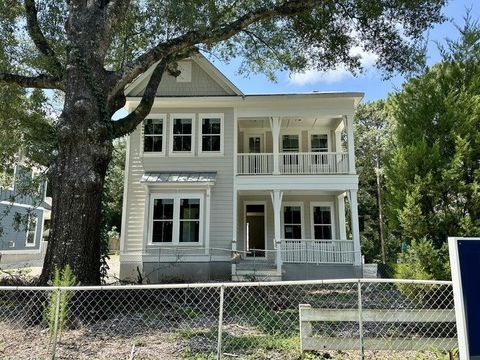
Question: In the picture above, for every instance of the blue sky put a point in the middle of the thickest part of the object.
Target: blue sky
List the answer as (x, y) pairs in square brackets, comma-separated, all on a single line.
[(370, 82)]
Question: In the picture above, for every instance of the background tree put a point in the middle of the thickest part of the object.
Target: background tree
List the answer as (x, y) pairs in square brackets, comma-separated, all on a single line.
[(373, 143), (92, 49), (433, 177)]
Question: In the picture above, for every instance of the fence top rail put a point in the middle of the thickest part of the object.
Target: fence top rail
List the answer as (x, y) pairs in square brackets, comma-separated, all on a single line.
[(224, 285)]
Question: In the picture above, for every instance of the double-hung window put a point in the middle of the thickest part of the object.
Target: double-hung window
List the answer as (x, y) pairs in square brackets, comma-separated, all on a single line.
[(211, 134), (322, 221), (292, 221), (291, 143), (153, 132), (319, 142), (176, 219), (31, 231), (182, 138)]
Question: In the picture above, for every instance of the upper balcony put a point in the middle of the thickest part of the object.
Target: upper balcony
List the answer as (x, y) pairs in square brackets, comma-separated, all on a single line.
[(295, 146)]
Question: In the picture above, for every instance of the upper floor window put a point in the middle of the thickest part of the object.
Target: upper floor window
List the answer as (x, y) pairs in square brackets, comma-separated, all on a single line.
[(211, 135), (153, 131), (291, 143), (182, 134), (319, 142)]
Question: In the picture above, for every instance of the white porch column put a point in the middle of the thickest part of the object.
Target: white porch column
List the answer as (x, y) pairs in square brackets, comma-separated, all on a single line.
[(355, 227), (350, 142), (275, 124), (341, 216), (338, 141), (277, 196)]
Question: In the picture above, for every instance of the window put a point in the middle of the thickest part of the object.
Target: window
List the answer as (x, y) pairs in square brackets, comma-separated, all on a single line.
[(182, 138), (31, 231), (291, 143), (322, 222), (189, 220), (211, 134), (319, 142), (153, 135), (292, 221), (176, 219), (162, 221)]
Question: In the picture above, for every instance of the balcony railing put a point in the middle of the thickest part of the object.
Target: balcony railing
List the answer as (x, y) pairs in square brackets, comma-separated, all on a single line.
[(307, 251), (294, 163), (258, 164)]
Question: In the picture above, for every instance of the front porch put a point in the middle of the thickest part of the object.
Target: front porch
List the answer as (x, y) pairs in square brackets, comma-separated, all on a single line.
[(280, 232)]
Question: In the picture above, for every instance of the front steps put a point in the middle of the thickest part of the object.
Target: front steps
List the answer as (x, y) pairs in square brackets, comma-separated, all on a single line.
[(255, 272)]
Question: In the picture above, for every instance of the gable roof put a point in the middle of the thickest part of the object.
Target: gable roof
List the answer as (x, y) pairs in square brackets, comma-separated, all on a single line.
[(138, 85)]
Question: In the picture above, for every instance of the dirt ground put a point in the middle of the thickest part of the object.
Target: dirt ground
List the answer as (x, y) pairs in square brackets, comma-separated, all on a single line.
[(32, 269)]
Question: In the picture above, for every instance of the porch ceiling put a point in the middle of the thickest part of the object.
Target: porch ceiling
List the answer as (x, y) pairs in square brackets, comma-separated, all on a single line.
[(290, 122), (289, 192)]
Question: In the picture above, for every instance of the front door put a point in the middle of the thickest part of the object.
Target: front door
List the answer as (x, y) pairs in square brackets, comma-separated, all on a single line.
[(255, 230)]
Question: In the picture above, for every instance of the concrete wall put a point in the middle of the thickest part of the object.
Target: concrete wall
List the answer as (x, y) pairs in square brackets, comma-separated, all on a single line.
[(321, 271), (155, 272)]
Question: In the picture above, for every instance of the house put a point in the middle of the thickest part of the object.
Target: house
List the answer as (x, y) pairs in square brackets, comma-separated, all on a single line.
[(224, 185), (23, 214)]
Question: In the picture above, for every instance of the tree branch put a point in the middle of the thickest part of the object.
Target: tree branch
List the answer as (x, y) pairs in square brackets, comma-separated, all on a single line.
[(129, 123), (38, 38), (208, 35), (41, 81)]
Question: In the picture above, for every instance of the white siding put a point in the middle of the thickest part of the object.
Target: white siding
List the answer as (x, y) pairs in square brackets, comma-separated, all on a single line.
[(221, 194)]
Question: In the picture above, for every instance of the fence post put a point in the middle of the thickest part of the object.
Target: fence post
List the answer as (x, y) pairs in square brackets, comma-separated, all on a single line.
[(55, 325), (220, 323), (360, 319)]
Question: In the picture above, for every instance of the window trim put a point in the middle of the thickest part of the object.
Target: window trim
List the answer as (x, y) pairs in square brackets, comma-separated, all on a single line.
[(27, 244), (291, 132), (302, 218), (164, 137), (202, 116), (176, 219), (173, 116), (332, 217), (319, 132)]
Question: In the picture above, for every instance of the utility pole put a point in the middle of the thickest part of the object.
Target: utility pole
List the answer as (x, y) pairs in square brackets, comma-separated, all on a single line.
[(379, 204)]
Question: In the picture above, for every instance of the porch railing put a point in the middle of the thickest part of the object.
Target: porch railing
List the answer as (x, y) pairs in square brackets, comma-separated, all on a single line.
[(313, 163), (294, 163), (317, 251), (257, 164)]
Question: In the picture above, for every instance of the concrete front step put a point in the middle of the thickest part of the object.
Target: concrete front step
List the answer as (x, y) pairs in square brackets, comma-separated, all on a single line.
[(256, 275)]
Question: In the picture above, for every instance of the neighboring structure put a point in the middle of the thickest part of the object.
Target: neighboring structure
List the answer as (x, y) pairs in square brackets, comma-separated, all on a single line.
[(222, 185), (22, 218)]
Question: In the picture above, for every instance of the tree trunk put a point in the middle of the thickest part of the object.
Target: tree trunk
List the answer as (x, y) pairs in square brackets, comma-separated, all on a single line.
[(84, 152)]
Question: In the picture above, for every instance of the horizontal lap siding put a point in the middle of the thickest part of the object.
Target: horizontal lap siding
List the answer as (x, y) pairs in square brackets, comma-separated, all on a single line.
[(8, 233), (221, 206)]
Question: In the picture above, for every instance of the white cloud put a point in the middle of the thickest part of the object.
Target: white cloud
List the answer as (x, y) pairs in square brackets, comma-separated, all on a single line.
[(367, 59)]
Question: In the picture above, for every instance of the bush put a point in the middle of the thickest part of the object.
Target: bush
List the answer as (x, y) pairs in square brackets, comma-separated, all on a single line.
[(422, 261)]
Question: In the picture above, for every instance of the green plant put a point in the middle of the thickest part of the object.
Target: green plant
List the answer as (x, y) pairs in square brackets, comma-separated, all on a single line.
[(61, 278)]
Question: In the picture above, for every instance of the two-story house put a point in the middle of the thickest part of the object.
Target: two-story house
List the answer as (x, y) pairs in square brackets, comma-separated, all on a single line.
[(224, 185), (24, 209)]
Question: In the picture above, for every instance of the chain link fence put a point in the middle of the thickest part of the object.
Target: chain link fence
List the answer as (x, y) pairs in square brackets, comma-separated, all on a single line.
[(396, 318)]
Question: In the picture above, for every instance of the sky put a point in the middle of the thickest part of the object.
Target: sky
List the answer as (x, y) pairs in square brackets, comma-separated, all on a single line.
[(370, 82)]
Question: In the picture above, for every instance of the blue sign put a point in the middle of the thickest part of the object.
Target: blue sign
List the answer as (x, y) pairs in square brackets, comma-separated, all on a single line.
[(465, 264)]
